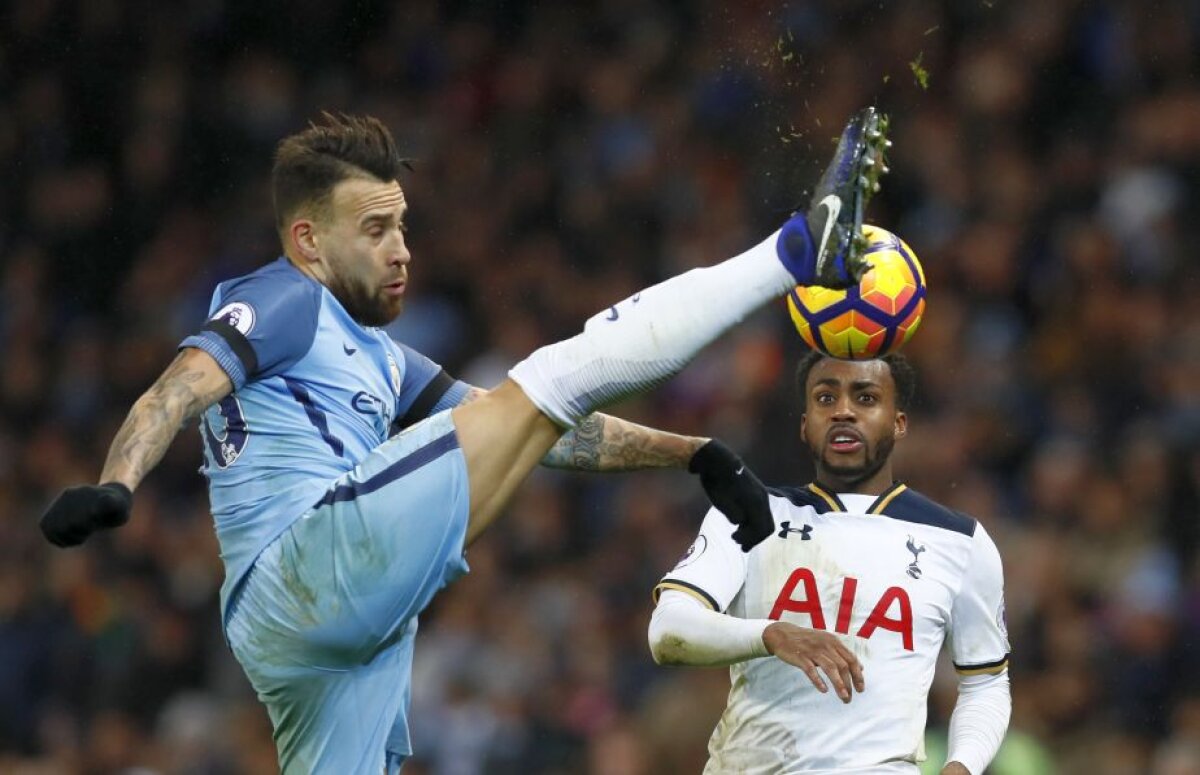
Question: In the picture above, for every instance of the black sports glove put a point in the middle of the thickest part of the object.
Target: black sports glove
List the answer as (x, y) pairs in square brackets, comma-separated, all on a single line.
[(80, 511), (735, 491)]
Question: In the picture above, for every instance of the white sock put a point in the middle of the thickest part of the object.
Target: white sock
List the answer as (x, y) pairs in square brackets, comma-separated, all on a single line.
[(646, 339)]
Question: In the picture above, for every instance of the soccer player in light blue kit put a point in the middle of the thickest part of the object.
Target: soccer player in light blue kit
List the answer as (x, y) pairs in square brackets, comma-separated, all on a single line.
[(348, 473)]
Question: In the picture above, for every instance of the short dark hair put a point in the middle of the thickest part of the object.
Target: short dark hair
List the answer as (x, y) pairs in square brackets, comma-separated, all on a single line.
[(902, 374), (309, 164)]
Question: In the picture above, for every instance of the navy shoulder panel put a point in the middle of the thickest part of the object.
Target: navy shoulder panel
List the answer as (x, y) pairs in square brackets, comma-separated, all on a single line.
[(803, 496), (912, 506)]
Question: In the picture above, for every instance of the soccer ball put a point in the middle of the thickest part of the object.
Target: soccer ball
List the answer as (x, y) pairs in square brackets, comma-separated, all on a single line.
[(872, 319)]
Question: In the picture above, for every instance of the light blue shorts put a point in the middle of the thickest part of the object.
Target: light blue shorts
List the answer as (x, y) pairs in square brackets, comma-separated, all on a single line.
[(325, 621)]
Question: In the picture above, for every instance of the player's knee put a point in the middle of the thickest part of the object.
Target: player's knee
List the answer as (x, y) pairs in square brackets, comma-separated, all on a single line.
[(541, 378)]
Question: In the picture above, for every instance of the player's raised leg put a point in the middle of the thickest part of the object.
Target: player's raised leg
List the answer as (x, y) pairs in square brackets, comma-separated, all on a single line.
[(642, 341)]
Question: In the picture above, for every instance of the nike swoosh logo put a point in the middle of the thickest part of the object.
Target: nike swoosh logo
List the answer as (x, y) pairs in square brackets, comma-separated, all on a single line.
[(739, 471), (636, 297), (349, 350), (833, 207)]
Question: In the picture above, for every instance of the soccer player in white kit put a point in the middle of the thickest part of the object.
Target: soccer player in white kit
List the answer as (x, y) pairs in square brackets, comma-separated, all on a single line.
[(862, 582)]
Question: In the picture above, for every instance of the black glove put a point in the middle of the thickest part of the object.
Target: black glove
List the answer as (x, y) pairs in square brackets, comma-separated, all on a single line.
[(80, 511), (735, 491)]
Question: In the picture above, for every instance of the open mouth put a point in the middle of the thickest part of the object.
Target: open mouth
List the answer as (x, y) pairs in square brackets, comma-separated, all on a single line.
[(845, 440)]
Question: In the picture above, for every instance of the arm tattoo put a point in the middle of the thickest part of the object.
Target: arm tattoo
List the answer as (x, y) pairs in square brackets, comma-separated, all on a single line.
[(604, 443), (181, 393), (601, 442)]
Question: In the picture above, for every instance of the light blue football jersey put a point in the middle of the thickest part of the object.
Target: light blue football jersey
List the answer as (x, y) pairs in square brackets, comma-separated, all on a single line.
[(314, 392)]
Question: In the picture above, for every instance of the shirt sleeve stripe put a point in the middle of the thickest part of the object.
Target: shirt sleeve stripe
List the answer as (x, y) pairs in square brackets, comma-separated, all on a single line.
[(427, 399), (998, 666), (237, 342), (691, 589), (215, 347)]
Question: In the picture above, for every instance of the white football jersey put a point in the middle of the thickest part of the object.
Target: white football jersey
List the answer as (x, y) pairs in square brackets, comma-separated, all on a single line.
[(893, 576)]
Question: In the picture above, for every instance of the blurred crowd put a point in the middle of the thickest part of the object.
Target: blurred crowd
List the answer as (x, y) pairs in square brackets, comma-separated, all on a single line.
[(1046, 169)]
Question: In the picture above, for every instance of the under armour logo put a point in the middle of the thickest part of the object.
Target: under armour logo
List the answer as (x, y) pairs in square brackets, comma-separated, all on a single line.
[(914, 570), (785, 528)]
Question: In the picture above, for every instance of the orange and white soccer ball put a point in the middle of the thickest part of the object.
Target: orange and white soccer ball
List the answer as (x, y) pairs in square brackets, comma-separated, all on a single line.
[(877, 316)]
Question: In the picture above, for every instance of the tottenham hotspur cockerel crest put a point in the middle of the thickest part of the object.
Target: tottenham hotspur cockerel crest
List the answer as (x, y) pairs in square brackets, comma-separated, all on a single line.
[(914, 569)]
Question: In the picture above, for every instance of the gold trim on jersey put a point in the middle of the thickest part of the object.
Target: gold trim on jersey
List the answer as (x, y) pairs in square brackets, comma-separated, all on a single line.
[(683, 586), (990, 669), (881, 502), (834, 502), (886, 497)]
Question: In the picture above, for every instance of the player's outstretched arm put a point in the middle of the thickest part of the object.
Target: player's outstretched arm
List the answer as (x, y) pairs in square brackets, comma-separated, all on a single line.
[(604, 443), (601, 442), (193, 382), (684, 632)]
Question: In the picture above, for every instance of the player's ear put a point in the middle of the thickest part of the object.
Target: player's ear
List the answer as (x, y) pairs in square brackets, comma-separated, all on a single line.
[(901, 425), (303, 236)]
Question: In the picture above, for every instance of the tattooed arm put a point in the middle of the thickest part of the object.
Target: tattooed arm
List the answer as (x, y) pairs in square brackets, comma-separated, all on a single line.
[(601, 442), (193, 382)]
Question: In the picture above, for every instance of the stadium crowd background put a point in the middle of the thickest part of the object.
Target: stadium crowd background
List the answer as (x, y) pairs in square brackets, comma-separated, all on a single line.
[(1046, 172)]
